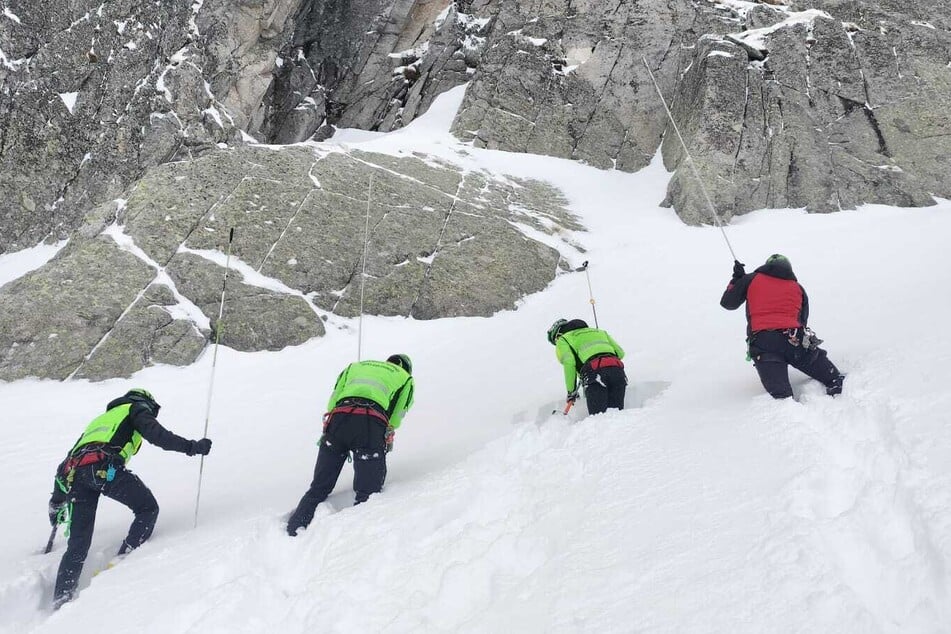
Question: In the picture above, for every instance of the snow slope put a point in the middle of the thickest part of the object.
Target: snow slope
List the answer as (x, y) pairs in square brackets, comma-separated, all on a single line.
[(709, 508)]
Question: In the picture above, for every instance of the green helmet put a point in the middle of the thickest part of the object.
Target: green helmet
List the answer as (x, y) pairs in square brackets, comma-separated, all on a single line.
[(142, 395), (778, 258), (555, 330), (401, 360)]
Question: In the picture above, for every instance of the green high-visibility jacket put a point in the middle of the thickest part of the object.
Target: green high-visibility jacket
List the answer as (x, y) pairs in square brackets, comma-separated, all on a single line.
[(120, 431), (386, 384), (577, 347), (105, 427), (123, 427)]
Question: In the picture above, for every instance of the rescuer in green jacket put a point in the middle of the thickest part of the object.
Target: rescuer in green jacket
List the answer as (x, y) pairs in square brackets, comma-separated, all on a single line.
[(593, 356), (366, 407), (96, 465)]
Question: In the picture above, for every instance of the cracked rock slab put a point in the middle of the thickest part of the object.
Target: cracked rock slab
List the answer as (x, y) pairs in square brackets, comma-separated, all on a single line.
[(169, 340), (442, 242), (52, 318), (253, 318), (312, 238)]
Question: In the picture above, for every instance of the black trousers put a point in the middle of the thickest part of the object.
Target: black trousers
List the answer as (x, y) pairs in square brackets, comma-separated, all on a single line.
[(604, 388), (360, 434), (772, 355), (125, 488)]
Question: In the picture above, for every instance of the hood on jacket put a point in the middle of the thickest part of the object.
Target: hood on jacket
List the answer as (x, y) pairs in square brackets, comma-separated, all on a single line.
[(574, 324), (134, 398), (778, 266)]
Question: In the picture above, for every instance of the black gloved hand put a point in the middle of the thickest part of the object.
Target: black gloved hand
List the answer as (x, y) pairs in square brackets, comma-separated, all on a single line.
[(54, 510), (201, 447), (739, 269), (572, 397)]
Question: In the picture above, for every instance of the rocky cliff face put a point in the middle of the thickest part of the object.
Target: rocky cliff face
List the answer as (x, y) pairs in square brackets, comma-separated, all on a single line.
[(123, 126), (94, 93), (374, 65), (821, 104), (824, 105)]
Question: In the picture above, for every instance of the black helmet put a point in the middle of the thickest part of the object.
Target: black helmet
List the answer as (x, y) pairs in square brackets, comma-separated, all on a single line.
[(561, 326), (401, 360), (780, 263), (555, 330), (141, 395)]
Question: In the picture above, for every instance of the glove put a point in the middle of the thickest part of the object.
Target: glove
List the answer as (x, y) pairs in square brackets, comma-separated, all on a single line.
[(572, 397), (738, 269), (201, 447), (55, 509)]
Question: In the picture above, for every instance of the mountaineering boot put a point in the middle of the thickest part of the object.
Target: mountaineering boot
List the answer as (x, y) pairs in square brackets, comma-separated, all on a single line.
[(835, 387), (294, 524), (62, 599)]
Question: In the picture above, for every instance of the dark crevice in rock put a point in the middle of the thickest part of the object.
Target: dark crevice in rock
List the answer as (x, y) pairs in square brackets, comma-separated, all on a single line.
[(835, 179), (579, 138), (850, 106), (752, 53), (792, 171), (739, 141), (873, 121)]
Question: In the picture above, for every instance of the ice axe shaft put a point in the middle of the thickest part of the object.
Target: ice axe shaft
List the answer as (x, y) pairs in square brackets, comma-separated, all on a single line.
[(568, 405), (49, 542)]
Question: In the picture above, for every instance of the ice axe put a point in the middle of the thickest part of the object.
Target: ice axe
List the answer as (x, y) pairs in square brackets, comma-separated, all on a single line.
[(568, 405), (49, 542)]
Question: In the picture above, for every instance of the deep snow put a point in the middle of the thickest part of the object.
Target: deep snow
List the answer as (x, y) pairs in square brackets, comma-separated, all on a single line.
[(710, 508)]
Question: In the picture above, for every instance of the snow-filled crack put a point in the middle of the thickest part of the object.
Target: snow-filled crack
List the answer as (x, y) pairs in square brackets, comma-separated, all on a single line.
[(126, 243), (293, 217), (429, 266)]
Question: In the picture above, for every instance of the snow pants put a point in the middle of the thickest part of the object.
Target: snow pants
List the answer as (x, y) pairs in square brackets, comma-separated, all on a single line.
[(604, 388), (89, 482), (773, 353), (363, 436)]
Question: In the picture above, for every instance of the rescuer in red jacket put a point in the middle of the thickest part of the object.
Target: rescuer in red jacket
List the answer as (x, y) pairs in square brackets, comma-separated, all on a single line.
[(777, 312)]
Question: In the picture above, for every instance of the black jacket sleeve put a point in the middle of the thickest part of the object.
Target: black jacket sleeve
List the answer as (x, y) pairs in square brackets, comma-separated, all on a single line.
[(735, 293), (804, 311), (152, 431)]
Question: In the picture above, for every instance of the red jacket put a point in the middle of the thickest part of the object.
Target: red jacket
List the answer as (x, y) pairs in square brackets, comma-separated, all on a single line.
[(774, 298)]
